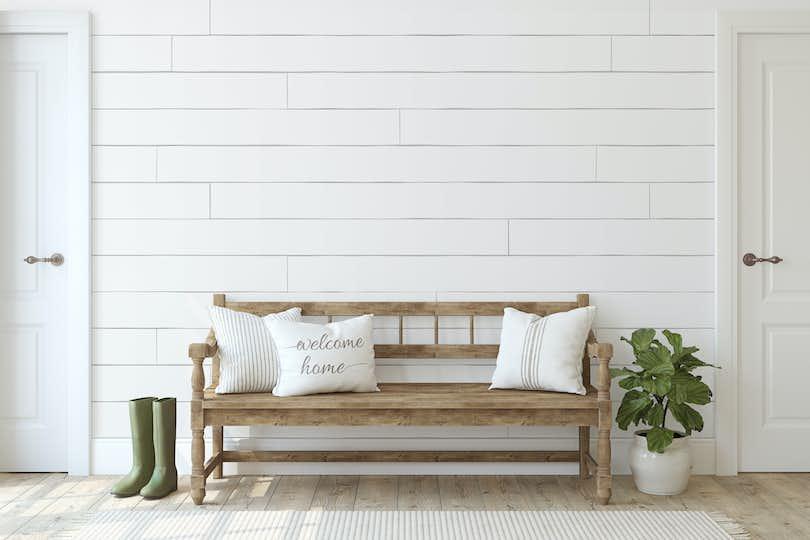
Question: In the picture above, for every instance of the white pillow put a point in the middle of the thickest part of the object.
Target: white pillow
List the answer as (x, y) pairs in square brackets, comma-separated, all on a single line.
[(248, 361), (322, 358), (543, 353)]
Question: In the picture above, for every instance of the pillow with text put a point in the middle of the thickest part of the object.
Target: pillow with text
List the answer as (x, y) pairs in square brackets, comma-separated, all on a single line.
[(323, 358)]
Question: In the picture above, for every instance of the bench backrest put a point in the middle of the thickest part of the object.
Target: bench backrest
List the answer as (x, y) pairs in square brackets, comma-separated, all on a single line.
[(409, 309)]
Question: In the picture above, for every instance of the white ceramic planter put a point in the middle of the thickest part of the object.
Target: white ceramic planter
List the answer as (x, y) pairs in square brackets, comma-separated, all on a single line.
[(660, 474)]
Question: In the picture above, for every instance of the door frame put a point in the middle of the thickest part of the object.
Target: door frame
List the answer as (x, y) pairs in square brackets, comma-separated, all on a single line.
[(730, 27), (77, 348)]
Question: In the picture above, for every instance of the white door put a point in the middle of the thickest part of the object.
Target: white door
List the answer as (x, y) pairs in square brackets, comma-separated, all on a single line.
[(774, 221), (33, 432)]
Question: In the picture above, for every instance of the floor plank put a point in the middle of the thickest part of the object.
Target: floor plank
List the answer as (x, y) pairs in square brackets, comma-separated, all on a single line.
[(418, 493), (294, 493), (376, 493), (502, 493), (252, 493), (335, 493), (460, 493)]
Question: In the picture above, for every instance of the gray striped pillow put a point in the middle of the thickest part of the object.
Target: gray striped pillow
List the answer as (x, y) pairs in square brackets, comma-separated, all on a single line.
[(543, 353), (248, 360)]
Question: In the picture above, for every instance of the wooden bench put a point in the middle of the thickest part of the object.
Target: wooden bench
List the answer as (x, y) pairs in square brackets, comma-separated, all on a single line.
[(408, 404)]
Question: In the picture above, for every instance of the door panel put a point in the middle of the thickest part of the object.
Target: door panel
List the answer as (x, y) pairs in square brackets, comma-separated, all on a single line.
[(786, 183), (32, 222), (774, 167)]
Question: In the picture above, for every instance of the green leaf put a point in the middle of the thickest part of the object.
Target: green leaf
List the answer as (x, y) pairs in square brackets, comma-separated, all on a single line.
[(618, 372), (655, 416), (633, 403), (629, 383), (686, 416), (658, 439), (662, 386), (641, 339), (688, 388), (655, 362), (675, 340), (690, 363)]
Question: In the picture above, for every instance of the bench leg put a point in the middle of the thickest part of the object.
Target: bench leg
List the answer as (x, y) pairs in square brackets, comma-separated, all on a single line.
[(584, 445), (603, 475), (217, 448), (197, 466)]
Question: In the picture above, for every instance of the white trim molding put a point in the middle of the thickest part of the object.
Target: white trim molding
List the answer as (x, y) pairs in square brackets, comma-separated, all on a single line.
[(730, 26), (76, 27)]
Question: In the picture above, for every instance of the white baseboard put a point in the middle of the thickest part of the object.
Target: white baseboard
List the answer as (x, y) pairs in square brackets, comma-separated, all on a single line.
[(112, 456)]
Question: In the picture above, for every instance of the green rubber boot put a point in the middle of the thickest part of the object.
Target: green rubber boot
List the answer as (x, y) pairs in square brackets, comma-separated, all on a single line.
[(143, 450), (164, 477)]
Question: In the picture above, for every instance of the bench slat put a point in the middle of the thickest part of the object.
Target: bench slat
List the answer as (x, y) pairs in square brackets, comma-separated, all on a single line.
[(406, 309), (399, 456)]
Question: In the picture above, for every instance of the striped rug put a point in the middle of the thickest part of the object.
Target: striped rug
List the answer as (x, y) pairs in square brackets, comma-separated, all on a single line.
[(396, 525)]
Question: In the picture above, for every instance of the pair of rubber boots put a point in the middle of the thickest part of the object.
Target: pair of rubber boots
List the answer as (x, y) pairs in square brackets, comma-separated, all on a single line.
[(153, 423)]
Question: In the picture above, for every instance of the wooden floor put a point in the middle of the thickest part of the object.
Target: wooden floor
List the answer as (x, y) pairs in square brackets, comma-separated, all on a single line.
[(768, 505)]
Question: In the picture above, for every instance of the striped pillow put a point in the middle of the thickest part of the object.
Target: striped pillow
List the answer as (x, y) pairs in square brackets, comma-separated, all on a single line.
[(248, 360), (543, 353)]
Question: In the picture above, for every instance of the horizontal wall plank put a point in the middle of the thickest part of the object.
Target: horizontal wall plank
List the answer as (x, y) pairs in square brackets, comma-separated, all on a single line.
[(684, 310), (124, 346), (124, 164), (611, 237), (682, 200), (391, 53), (122, 383), (189, 91), (132, 53), (614, 310), (172, 344), (207, 127), (194, 273), (151, 310), (145, 200), (698, 16), (123, 17), (623, 353), (376, 164), (603, 126), (620, 310), (505, 90), (425, 17), (501, 273), (111, 419), (655, 164), (663, 53), (490, 200), (300, 237)]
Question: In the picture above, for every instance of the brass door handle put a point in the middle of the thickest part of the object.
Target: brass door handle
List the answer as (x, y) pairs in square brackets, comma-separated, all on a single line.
[(749, 259), (57, 259)]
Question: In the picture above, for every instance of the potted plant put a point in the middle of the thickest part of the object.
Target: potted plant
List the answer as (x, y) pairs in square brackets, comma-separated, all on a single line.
[(661, 383)]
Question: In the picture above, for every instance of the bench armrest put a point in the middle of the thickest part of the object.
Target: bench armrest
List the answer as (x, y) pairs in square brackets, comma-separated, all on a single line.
[(604, 353), (198, 352), (204, 350)]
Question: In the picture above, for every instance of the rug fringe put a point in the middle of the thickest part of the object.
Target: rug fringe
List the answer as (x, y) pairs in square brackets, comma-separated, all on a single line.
[(730, 526)]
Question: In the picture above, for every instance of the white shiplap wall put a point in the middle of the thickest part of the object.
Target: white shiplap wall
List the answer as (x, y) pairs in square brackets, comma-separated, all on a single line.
[(407, 149)]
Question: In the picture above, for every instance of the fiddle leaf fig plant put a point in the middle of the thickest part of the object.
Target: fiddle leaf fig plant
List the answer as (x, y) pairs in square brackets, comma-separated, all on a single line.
[(659, 382)]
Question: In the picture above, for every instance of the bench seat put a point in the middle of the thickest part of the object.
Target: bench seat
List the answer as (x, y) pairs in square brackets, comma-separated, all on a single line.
[(399, 396)]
